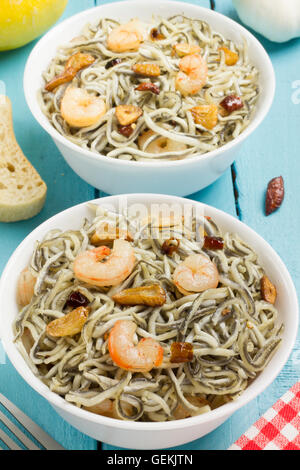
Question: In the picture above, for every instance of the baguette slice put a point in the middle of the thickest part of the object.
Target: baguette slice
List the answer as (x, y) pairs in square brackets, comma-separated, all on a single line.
[(22, 191)]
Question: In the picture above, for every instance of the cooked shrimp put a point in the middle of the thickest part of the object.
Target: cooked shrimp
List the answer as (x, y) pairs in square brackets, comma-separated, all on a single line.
[(25, 287), (141, 358), (126, 37), (102, 266), (160, 144), (195, 274), (81, 109), (192, 75)]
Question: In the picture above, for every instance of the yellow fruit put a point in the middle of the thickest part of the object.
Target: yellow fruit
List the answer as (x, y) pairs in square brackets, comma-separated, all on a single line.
[(21, 21)]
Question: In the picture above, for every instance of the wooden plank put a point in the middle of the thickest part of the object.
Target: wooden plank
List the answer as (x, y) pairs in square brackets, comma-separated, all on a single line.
[(64, 190)]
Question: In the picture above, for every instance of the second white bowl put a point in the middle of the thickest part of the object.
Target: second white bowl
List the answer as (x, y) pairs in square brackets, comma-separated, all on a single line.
[(116, 176), (149, 435)]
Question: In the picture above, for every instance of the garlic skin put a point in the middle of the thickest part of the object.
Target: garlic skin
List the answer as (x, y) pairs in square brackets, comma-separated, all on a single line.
[(277, 20)]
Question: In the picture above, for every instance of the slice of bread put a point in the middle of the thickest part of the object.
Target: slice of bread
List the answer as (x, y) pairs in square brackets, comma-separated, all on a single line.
[(22, 191)]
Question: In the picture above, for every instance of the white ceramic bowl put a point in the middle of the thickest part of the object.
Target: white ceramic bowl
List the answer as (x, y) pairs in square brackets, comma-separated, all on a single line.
[(115, 176), (140, 435)]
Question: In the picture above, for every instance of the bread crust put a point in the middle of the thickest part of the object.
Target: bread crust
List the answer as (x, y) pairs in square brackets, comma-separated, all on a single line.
[(22, 190)]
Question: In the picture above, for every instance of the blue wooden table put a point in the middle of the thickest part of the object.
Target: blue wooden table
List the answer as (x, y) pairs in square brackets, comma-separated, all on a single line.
[(273, 150)]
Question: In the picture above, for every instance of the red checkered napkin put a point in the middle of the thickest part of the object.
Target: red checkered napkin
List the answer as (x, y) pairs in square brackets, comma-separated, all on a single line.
[(278, 428)]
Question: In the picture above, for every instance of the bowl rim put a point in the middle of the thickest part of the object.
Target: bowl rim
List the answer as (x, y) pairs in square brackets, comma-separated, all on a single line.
[(254, 123), (222, 412)]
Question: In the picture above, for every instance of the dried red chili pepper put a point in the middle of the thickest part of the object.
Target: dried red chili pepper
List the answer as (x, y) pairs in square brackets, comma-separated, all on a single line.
[(213, 243), (148, 86), (113, 62), (126, 130), (170, 246), (156, 35), (181, 352), (77, 299), (231, 103), (274, 195)]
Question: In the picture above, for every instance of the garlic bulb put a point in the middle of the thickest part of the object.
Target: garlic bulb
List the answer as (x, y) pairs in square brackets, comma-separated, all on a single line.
[(277, 20)]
